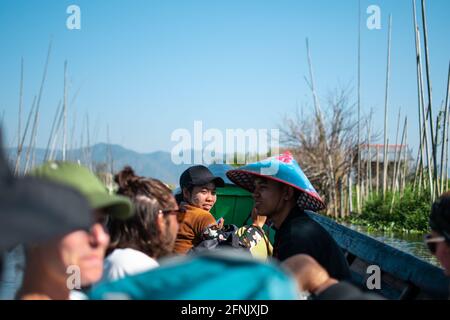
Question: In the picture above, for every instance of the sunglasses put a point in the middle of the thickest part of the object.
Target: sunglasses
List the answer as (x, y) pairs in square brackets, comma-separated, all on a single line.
[(180, 213), (431, 242)]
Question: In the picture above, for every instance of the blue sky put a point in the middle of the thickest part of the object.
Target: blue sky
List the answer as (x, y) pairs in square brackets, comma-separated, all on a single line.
[(148, 67)]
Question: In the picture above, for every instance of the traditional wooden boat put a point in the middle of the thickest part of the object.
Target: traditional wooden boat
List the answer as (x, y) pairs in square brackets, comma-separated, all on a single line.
[(403, 276)]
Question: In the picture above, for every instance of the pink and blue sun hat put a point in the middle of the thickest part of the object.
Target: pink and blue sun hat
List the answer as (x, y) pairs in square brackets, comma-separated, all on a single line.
[(283, 169)]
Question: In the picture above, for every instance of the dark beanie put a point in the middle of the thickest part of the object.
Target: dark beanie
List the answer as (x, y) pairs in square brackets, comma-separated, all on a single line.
[(440, 216)]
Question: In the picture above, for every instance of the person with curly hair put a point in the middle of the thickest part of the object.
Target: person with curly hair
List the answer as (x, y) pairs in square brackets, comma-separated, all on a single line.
[(137, 243)]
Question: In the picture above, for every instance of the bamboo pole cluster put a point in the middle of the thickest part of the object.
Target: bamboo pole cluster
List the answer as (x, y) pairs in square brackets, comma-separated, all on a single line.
[(55, 149), (431, 167)]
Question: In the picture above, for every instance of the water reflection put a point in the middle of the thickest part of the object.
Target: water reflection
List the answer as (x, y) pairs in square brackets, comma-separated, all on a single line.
[(410, 243)]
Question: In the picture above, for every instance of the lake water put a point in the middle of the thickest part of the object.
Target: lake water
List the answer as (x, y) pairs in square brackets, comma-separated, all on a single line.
[(409, 243)]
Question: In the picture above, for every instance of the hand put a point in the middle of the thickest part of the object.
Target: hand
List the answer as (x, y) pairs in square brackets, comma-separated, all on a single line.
[(310, 275), (258, 220), (220, 223)]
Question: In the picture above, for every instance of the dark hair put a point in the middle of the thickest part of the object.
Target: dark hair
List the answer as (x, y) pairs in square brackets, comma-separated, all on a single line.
[(440, 216), (180, 197), (140, 232)]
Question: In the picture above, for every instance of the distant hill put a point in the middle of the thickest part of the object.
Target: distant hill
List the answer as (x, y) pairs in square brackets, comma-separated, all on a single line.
[(156, 164)]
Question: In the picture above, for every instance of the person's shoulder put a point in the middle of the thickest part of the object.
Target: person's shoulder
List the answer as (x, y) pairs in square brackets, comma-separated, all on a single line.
[(303, 225), (198, 213), (130, 257), (193, 209), (126, 262), (299, 226)]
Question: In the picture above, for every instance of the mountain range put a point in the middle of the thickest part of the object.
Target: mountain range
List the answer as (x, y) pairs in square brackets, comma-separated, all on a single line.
[(157, 165)]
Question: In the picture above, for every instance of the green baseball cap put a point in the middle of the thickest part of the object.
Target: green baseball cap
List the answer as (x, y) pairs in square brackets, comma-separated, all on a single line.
[(84, 181)]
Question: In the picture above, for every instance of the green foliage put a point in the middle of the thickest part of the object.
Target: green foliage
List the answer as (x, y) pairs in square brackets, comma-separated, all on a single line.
[(408, 213)]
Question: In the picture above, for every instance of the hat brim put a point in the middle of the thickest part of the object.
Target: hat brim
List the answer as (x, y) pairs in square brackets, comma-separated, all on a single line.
[(245, 179), (115, 205)]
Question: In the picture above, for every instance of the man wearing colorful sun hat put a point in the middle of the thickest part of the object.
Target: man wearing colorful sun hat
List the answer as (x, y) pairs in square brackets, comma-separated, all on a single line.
[(283, 193)]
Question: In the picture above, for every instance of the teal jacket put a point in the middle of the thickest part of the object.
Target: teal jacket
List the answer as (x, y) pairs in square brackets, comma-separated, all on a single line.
[(214, 275)]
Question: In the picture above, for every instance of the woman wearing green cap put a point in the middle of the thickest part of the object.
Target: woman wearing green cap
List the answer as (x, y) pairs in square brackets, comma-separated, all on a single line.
[(60, 267)]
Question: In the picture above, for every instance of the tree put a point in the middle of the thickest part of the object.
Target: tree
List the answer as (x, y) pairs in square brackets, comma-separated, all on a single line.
[(316, 140)]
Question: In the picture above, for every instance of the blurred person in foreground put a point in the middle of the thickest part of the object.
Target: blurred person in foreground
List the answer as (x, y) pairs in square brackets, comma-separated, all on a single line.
[(59, 268), (33, 211)]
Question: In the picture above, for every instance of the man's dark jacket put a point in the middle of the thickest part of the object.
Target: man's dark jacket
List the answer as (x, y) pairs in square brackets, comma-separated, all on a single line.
[(300, 234)]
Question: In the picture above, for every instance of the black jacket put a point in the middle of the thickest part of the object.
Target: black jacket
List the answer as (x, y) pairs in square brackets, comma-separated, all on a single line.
[(300, 234)]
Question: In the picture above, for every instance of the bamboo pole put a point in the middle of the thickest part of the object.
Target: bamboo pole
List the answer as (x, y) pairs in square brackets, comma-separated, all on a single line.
[(405, 161), (430, 96), (385, 163), (370, 153), (398, 169), (19, 131), (363, 194), (32, 139), (419, 100), (418, 173), (420, 181), (358, 181), (395, 151), (418, 163), (445, 130), (350, 193), (358, 205), (378, 169), (399, 160), (47, 150), (436, 141), (425, 115), (65, 114), (55, 137), (367, 164), (72, 143), (38, 102), (17, 165)]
